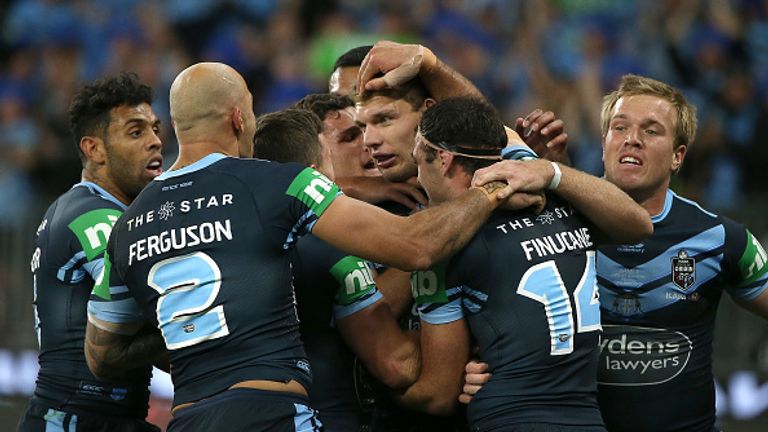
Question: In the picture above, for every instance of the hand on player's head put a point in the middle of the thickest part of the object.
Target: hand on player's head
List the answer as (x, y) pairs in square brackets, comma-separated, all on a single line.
[(390, 64)]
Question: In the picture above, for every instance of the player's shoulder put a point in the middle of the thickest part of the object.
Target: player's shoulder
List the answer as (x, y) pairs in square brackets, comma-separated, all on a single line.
[(86, 205), (678, 208), (261, 168), (86, 211)]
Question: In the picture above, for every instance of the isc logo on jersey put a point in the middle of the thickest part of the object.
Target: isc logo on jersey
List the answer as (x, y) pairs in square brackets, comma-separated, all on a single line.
[(313, 189), (638, 356), (93, 228)]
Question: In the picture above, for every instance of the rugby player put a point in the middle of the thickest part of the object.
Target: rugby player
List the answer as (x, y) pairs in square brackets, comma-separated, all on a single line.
[(116, 134), (339, 305), (524, 287)]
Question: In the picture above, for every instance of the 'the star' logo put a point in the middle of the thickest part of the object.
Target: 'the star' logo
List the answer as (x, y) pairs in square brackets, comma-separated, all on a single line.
[(166, 210)]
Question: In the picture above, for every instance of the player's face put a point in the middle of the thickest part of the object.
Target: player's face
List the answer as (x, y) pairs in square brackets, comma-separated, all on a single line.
[(390, 130), (343, 80), (430, 175), (344, 138), (133, 148), (638, 149)]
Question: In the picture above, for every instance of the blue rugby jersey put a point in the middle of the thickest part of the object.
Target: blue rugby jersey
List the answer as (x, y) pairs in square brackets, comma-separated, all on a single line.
[(526, 285), (658, 300), (330, 286), (68, 258), (203, 253)]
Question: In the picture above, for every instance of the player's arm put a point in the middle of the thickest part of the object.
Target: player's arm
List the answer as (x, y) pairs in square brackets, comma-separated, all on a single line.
[(367, 325), (413, 242), (402, 62), (444, 352), (758, 306), (113, 351), (377, 189), (609, 208), (374, 336), (118, 339)]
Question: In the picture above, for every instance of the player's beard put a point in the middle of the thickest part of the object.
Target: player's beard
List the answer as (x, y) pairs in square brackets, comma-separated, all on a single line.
[(125, 174)]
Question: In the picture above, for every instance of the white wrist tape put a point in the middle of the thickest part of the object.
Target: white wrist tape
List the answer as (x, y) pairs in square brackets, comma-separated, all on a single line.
[(555, 178)]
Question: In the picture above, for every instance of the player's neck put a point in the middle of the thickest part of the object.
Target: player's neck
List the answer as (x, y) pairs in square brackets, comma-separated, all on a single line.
[(191, 152), (653, 203), (106, 183)]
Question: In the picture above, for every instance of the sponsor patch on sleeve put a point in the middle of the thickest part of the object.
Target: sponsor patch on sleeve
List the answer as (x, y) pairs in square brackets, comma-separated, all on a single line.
[(428, 286), (93, 228), (313, 189), (355, 279), (752, 262)]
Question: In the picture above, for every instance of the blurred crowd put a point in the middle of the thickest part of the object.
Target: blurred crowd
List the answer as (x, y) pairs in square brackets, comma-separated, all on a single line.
[(562, 55)]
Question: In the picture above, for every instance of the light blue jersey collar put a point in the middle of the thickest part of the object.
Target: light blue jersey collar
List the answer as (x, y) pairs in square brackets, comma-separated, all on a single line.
[(100, 191), (667, 206), (202, 163)]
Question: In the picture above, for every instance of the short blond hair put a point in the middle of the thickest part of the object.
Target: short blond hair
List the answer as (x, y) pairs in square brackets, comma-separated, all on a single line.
[(633, 85)]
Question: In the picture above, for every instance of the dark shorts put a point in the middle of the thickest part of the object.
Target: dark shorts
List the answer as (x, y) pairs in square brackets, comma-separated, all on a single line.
[(545, 427), (244, 409), (41, 417)]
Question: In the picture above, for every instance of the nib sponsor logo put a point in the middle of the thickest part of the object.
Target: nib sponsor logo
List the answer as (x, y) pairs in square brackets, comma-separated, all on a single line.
[(636, 356)]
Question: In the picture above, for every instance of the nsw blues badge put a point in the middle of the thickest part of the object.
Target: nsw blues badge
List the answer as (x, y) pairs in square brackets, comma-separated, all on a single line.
[(683, 270)]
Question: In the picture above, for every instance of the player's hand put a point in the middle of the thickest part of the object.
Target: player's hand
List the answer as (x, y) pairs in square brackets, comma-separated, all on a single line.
[(399, 63), (545, 134), (523, 200), (528, 176), (377, 189), (475, 376)]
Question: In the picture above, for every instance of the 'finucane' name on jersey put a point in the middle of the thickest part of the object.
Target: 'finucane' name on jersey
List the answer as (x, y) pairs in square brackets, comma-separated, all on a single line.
[(179, 238), (558, 243)]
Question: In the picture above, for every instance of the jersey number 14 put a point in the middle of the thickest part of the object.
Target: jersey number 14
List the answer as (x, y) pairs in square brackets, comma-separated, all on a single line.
[(544, 284)]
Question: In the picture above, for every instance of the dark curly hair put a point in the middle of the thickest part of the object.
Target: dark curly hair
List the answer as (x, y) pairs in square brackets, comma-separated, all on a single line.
[(89, 112)]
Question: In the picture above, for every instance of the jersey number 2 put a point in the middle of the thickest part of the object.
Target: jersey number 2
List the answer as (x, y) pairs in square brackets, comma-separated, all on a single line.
[(188, 286), (544, 284)]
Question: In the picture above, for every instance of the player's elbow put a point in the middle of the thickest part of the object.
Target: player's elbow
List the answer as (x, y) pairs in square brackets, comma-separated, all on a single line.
[(440, 405), (400, 369)]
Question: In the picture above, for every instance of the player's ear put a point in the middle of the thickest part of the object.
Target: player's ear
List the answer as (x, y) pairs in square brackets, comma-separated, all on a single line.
[(238, 122), (446, 161), (94, 149), (678, 156)]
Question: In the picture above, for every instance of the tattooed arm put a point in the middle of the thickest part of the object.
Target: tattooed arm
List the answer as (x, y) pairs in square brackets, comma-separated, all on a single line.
[(115, 351)]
